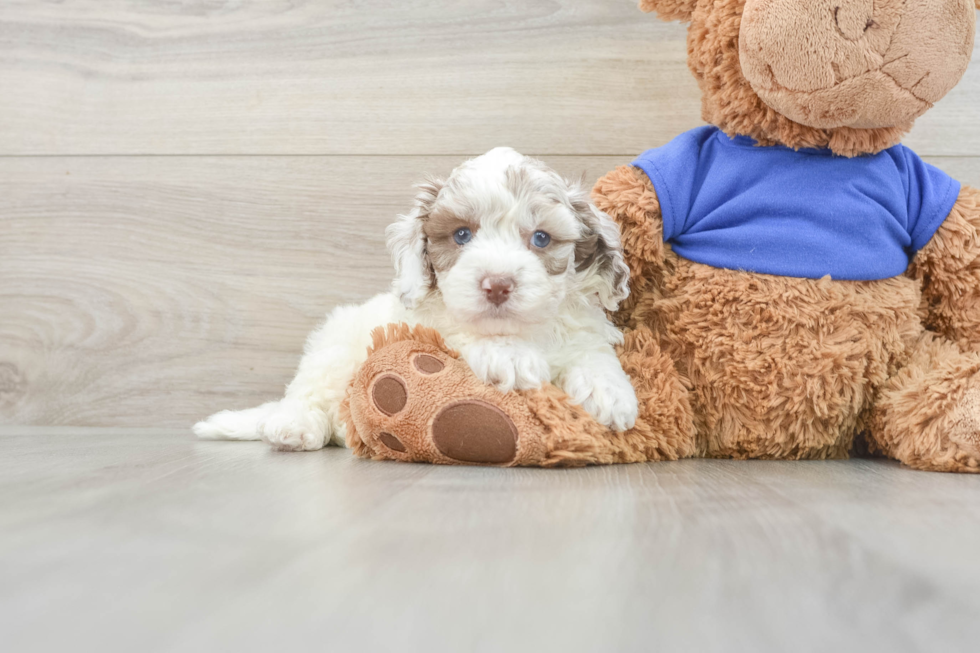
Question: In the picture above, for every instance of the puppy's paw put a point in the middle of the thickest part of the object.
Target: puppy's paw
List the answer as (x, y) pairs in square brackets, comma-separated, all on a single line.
[(293, 428), (607, 395), (507, 365)]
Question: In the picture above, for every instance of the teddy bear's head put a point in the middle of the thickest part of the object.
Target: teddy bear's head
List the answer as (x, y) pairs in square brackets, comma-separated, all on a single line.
[(851, 75)]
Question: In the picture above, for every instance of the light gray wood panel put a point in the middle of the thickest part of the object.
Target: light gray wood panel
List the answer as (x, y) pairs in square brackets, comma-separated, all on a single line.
[(129, 540), (154, 290), (407, 77)]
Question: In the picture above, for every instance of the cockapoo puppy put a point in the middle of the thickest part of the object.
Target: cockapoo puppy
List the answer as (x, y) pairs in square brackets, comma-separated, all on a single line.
[(512, 264)]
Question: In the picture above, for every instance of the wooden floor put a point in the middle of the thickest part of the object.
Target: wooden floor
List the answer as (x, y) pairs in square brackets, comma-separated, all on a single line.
[(124, 540)]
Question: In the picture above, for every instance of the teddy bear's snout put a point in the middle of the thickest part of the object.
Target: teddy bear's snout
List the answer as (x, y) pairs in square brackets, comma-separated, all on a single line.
[(855, 63)]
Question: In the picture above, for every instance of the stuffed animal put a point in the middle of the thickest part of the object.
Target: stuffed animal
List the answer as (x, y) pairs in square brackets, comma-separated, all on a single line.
[(800, 281)]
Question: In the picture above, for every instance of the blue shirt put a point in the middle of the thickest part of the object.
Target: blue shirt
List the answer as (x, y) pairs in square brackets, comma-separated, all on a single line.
[(731, 204)]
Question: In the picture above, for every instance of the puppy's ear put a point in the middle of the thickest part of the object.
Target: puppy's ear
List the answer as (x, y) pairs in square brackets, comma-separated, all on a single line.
[(672, 9), (414, 276), (599, 253)]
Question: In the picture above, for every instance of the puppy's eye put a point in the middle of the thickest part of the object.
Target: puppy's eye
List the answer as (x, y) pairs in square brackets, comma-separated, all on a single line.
[(462, 236), (540, 239)]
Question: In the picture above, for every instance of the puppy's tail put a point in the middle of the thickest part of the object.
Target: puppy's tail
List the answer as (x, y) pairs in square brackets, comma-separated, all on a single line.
[(234, 424)]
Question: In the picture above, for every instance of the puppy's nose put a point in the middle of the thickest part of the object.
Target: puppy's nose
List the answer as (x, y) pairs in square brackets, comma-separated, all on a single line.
[(497, 289)]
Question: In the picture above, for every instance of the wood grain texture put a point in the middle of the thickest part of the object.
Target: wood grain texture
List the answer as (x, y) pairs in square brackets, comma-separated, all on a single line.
[(381, 77), (122, 540), (154, 290)]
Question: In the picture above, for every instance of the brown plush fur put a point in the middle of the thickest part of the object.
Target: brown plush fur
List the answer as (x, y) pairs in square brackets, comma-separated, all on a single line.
[(949, 270), (928, 414), (736, 364)]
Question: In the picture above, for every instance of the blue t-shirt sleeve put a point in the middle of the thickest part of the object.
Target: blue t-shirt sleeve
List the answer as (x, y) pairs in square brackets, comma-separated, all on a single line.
[(931, 196), (672, 169)]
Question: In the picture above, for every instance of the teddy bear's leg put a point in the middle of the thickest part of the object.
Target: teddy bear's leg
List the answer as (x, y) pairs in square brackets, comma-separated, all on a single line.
[(949, 270), (928, 414), (415, 400)]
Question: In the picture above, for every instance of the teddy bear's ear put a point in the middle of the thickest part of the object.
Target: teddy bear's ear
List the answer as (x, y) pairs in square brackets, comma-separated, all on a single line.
[(672, 9)]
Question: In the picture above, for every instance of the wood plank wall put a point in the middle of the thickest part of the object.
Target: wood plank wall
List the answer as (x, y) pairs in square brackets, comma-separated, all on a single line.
[(187, 187)]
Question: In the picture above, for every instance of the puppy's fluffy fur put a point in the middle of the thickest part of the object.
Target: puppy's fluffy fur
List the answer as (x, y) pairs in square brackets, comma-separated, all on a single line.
[(470, 261)]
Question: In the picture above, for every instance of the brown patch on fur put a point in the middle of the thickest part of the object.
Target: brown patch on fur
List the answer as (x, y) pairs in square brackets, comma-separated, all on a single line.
[(589, 251), (599, 248), (948, 268), (439, 229), (557, 255)]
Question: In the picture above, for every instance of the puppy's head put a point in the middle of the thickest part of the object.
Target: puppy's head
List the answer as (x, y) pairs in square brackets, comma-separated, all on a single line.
[(505, 241)]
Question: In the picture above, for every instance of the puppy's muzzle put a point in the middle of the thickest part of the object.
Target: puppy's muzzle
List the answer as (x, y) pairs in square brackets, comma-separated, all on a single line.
[(497, 289)]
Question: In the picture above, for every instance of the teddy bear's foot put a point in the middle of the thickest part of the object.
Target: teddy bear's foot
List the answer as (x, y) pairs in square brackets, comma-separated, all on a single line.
[(928, 415), (415, 400), (965, 422)]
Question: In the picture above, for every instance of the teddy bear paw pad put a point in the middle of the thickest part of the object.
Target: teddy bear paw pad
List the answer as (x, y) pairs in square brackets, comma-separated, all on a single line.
[(389, 394), (390, 441), (427, 364), (473, 431)]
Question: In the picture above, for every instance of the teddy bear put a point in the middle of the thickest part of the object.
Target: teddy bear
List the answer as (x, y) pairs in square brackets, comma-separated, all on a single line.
[(801, 284)]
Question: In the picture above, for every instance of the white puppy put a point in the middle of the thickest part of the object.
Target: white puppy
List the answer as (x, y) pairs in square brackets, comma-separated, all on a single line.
[(512, 264)]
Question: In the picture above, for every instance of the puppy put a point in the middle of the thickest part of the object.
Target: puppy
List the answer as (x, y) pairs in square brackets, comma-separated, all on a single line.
[(512, 264)]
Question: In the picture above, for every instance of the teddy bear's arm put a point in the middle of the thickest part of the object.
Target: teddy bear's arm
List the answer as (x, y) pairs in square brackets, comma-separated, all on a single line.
[(949, 270), (630, 199)]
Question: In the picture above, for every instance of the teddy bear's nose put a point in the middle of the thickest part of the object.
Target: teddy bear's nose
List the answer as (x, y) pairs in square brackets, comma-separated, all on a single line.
[(854, 19)]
